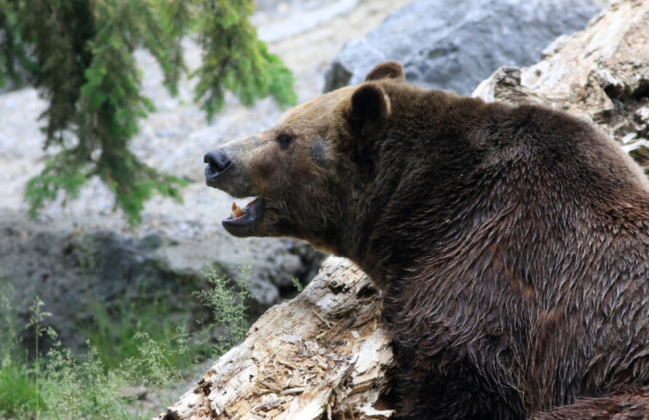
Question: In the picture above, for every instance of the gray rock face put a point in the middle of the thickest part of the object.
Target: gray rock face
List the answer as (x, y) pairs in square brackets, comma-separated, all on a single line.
[(71, 272), (455, 45)]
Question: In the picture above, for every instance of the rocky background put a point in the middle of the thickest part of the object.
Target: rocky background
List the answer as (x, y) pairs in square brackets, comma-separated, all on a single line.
[(84, 252)]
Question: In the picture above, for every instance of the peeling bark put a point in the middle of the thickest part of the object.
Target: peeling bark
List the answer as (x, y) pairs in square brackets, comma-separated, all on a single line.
[(322, 355)]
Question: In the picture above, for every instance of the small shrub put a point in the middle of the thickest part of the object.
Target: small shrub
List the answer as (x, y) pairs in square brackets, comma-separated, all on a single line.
[(18, 393), (18, 396), (297, 284), (78, 387), (116, 333), (62, 385), (226, 299)]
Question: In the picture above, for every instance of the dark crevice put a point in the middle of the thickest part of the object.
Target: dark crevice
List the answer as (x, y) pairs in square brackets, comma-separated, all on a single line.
[(366, 292), (613, 91), (642, 91)]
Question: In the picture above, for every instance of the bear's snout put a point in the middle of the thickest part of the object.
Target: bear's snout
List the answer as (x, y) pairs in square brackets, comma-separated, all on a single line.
[(217, 163), (228, 169)]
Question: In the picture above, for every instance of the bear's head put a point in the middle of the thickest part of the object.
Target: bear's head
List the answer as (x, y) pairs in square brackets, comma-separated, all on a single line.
[(310, 170)]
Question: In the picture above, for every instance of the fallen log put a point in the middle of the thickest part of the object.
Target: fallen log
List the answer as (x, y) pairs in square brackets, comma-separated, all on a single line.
[(324, 355)]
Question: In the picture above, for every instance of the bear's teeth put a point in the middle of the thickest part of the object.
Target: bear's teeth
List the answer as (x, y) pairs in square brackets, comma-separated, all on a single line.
[(236, 211)]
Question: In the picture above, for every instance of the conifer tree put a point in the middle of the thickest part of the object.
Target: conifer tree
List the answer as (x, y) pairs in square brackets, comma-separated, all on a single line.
[(79, 54)]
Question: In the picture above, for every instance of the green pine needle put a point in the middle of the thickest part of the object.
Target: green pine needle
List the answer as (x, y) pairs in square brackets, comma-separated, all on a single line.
[(81, 60)]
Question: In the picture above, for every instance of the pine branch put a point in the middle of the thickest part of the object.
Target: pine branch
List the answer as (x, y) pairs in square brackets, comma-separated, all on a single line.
[(81, 60)]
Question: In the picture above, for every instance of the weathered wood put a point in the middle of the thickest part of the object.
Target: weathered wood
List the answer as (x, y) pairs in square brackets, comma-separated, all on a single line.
[(600, 74), (324, 354)]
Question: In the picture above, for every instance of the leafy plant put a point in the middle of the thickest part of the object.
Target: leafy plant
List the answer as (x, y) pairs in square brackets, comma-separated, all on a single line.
[(18, 396), (36, 323), (18, 391), (118, 334), (226, 299), (79, 387), (297, 284), (62, 385), (79, 53), (115, 330)]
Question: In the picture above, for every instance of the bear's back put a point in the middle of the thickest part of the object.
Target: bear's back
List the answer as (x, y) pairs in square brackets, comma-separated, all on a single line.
[(530, 242)]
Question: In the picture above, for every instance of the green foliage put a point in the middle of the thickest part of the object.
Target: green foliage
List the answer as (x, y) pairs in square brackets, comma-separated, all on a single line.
[(226, 299), (36, 323), (18, 396), (153, 366), (11, 50), (18, 391), (297, 284), (78, 387), (63, 385), (112, 332), (235, 60), (79, 53)]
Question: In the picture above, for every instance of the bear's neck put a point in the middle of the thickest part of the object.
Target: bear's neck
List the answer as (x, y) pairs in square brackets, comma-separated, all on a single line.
[(407, 213)]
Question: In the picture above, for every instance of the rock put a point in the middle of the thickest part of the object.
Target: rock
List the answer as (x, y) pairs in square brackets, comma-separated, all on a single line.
[(72, 271), (456, 45), (268, 265), (303, 19)]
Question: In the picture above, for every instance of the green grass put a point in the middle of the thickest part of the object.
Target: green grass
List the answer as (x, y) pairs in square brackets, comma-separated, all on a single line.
[(226, 299), (18, 396), (134, 344), (112, 332)]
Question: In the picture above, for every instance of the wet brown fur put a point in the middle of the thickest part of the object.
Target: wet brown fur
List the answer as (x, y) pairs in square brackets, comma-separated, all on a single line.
[(512, 244)]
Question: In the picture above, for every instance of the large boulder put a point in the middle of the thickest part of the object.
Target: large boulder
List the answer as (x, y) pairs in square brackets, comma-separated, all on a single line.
[(455, 45), (73, 272)]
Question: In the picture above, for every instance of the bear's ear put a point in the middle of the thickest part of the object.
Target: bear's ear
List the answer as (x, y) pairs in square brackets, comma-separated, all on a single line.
[(388, 70), (369, 110)]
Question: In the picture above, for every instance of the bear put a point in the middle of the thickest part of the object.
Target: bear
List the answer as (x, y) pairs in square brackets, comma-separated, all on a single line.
[(511, 242)]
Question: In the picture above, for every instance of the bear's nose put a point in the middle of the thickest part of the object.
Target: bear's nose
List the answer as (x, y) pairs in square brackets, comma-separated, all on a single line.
[(217, 162)]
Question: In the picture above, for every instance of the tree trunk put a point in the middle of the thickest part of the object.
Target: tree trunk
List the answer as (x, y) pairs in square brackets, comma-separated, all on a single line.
[(324, 355)]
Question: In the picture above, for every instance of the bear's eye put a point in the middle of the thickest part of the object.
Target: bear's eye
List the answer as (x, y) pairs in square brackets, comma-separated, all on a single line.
[(284, 140)]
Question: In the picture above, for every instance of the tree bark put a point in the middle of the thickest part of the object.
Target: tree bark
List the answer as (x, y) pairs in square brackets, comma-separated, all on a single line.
[(600, 74), (324, 355), (321, 355)]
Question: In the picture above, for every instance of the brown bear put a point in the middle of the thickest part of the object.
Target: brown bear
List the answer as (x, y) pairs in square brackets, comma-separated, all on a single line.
[(512, 243)]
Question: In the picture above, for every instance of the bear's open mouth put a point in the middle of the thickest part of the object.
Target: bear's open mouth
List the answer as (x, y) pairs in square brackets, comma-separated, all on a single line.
[(242, 222)]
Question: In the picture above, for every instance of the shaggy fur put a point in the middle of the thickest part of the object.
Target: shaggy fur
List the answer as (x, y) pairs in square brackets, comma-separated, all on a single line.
[(512, 244)]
